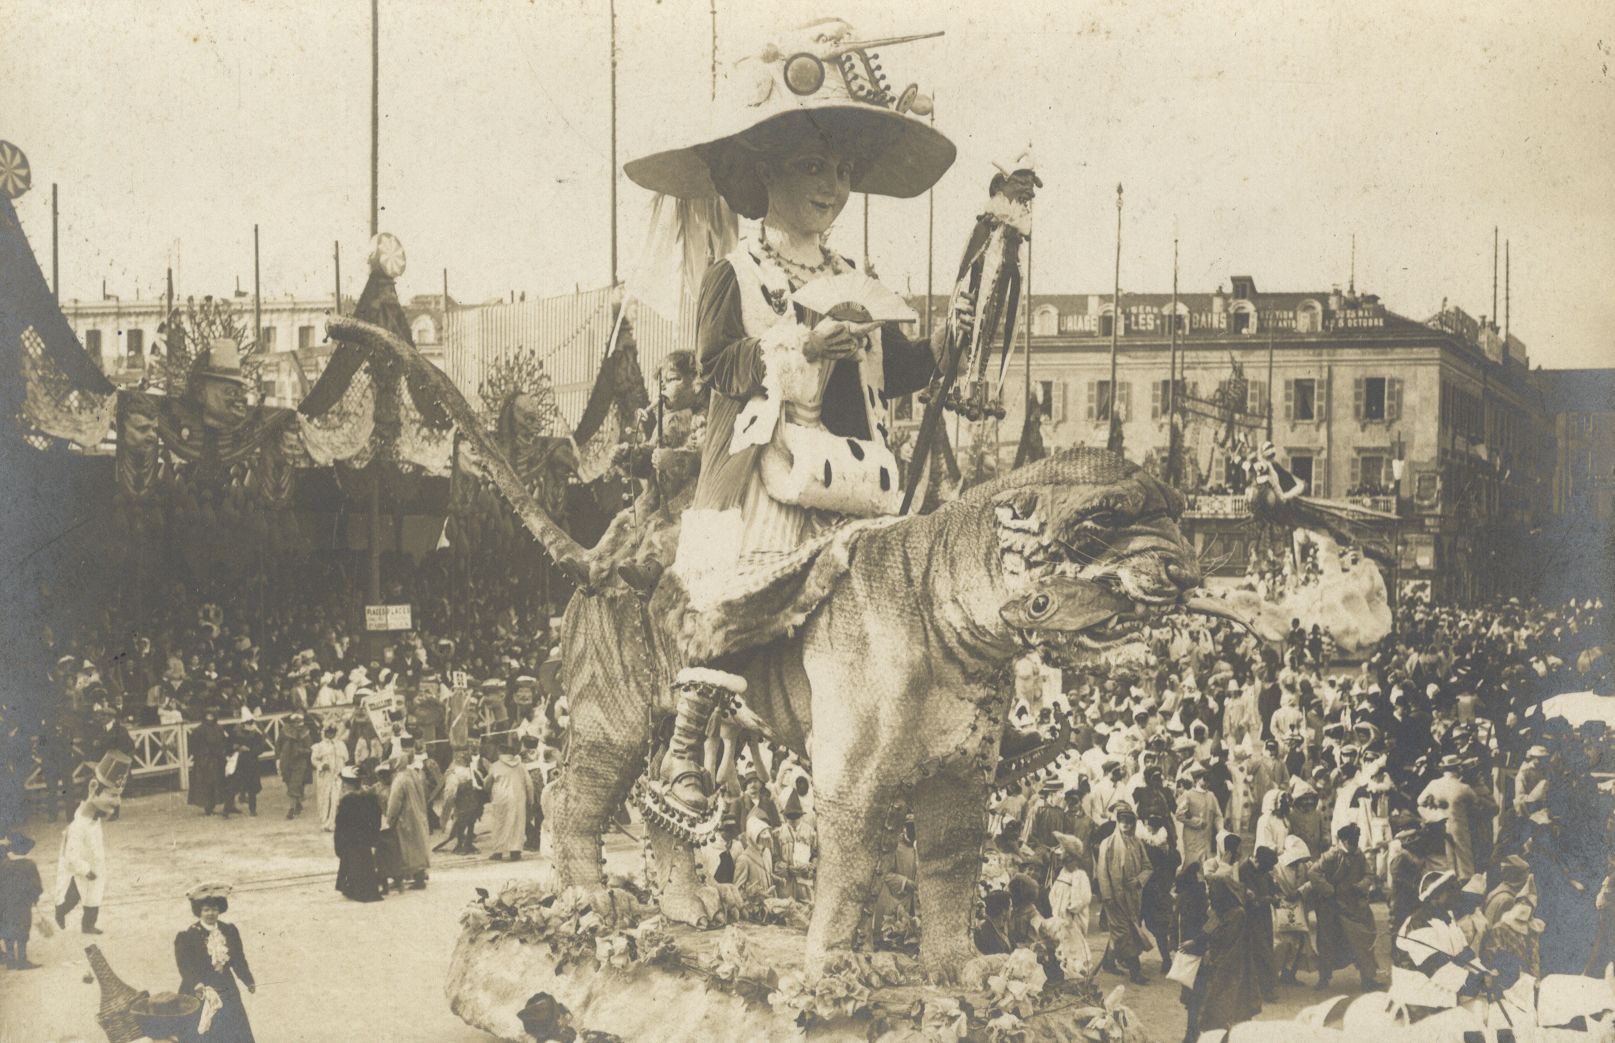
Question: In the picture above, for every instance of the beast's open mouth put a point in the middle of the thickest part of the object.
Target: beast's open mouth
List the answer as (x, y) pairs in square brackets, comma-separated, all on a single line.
[(1068, 618)]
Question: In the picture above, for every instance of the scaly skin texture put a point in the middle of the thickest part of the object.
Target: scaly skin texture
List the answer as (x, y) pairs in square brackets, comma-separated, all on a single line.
[(894, 688)]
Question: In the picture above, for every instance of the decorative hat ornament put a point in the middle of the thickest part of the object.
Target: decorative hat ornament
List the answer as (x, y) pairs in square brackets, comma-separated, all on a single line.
[(823, 71)]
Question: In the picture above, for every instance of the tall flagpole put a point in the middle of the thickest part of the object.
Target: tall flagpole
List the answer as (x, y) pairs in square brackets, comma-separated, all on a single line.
[(1026, 319), (336, 258), (612, 10), (374, 550), (375, 116), (257, 299), (930, 237), (1113, 440), (55, 271), (1173, 449), (1269, 406)]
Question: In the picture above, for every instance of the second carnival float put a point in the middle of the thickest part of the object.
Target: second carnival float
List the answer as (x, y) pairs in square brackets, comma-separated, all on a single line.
[(785, 582)]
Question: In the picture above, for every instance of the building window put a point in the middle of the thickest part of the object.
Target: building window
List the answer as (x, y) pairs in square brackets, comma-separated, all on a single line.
[(1243, 319), (305, 338), (1377, 398), (1099, 400), (424, 330), (1051, 399), (1161, 400), (1371, 474), (1373, 398), (1309, 317), (92, 345), (1046, 321), (134, 346), (1301, 465), (1178, 319), (266, 339), (1301, 399), (1106, 322), (903, 408), (266, 389), (1256, 397)]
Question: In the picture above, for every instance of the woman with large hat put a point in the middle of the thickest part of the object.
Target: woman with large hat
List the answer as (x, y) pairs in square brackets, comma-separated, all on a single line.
[(211, 960), (796, 437)]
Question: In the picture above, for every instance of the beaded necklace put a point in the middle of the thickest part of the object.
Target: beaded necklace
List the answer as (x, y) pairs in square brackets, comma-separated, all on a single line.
[(806, 270)]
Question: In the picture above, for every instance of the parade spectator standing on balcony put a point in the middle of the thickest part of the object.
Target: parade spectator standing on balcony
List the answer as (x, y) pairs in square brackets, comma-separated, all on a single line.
[(81, 867), (209, 754), (358, 828), (329, 756), (19, 890)]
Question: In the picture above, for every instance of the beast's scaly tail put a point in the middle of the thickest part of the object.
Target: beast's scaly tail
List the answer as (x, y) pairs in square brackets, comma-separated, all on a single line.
[(568, 554)]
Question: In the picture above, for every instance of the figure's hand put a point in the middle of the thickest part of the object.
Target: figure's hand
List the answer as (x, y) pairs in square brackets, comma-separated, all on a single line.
[(834, 340)]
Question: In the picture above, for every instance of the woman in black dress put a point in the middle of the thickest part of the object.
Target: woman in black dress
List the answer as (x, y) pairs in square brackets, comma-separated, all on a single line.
[(358, 829), (210, 956)]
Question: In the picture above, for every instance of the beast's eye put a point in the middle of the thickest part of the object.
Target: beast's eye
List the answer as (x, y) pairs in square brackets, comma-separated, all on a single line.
[(1041, 604)]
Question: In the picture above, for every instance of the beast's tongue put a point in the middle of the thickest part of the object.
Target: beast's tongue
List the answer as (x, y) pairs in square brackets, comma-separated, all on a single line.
[(1064, 603)]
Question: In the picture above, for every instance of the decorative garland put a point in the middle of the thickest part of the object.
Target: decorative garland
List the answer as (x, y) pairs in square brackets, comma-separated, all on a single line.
[(617, 928)]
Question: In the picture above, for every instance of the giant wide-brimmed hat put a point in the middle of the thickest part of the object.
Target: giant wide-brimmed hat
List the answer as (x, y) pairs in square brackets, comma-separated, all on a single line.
[(820, 79)]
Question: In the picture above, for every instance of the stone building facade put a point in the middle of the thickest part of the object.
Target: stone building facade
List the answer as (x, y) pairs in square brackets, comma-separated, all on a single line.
[(1435, 431)]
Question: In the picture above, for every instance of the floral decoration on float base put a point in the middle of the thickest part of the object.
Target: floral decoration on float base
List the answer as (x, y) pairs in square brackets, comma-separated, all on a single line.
[(608, 960)]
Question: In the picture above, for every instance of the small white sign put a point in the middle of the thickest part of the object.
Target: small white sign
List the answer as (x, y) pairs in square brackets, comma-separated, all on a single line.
[(387, 617)]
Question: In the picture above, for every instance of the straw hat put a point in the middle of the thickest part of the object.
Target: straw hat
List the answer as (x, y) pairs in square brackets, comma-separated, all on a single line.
[(821, 78)]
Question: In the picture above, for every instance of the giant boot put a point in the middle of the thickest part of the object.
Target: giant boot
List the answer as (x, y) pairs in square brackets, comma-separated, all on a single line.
[(684, 781)]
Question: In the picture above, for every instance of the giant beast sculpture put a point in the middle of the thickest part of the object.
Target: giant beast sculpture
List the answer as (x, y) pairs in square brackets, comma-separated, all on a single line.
[(882, 662)]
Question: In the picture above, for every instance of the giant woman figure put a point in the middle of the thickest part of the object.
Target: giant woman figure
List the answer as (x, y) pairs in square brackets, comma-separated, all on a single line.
[(796, 437)]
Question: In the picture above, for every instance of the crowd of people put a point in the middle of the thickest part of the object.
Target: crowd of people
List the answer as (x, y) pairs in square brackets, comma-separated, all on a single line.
[(1241, 813), (234, 648)]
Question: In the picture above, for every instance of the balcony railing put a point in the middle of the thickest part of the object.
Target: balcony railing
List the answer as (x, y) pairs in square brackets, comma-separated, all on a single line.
[(1217, 505)]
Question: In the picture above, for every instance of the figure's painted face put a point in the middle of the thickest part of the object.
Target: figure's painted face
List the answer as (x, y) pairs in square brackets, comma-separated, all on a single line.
[(224, 403), (808, 189)]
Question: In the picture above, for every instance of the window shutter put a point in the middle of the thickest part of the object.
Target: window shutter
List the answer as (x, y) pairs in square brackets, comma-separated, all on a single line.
[(1357, 412), (1093, 400), (1356, 468), (1393, 398), (1156, 388), (1057, 407), (1125, 397), (1289, 400), (1320, 476)]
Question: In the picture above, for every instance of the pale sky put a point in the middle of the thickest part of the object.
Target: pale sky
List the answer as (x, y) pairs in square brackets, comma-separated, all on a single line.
[(1262, 133)]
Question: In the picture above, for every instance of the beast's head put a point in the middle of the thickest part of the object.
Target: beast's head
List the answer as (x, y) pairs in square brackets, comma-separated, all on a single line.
[(1090, 551)]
